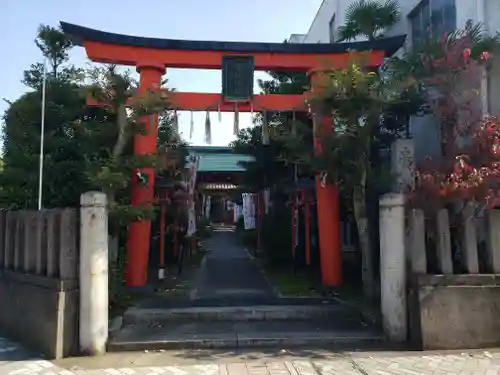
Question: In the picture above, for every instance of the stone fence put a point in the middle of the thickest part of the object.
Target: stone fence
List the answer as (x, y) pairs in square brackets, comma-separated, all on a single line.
[(440, 278), (39, 279), (54, 278)]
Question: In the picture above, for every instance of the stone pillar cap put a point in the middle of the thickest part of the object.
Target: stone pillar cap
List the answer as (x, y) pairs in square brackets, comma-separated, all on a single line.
[(93, 198), (392, 200)]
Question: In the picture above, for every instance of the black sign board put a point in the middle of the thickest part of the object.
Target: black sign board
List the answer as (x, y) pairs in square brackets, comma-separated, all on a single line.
[(237, 78)]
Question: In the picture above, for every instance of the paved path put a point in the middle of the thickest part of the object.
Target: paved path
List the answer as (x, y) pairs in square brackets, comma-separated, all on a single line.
[(228, 272), (15, 361)]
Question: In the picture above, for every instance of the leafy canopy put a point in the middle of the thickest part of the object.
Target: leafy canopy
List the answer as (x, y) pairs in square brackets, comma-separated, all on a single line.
[(369, 18)]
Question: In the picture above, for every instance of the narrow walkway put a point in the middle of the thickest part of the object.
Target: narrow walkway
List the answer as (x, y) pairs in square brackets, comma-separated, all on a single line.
[(228, 273)]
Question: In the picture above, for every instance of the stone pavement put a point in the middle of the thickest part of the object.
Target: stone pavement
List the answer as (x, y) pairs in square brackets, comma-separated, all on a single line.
[(228, 272), (16, 361)]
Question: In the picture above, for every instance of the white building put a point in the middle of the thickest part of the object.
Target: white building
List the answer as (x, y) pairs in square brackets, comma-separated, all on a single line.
[(445, 15)]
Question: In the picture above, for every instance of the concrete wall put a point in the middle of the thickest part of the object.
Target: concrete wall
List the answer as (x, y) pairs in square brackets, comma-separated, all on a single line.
[(455, 311), (40, 312)]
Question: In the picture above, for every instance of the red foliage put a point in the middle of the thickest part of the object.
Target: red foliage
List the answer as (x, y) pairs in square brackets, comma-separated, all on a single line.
[(472, 174), (470, 165)]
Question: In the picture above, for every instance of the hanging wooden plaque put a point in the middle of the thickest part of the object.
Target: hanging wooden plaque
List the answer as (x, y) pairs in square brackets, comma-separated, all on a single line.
[(237, 78)]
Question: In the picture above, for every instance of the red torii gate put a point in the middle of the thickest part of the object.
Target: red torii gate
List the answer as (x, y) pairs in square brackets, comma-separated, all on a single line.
[(151, 57)]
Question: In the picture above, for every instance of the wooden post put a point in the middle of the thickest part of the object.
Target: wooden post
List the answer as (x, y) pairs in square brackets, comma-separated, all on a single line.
[(307, 230), (144, 144), (163, 211), (175, 244), (327, 204)]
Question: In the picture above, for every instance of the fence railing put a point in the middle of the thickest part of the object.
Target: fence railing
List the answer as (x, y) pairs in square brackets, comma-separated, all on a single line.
[(40, 242), (463, 245)]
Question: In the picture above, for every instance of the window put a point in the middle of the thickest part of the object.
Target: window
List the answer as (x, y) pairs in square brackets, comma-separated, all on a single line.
[(331, 29), (435, 16)]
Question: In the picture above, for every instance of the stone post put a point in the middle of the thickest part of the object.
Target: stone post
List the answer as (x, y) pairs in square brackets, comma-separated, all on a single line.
[(443, 246), (469, 239), (93, 273), (418, 256), (393, 266), (403, 164), (493, 240)]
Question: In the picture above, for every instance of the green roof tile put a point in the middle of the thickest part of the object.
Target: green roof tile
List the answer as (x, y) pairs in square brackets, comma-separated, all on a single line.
[(218, 159)]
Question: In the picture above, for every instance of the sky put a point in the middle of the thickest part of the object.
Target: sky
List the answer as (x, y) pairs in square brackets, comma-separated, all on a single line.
[(221, 20)]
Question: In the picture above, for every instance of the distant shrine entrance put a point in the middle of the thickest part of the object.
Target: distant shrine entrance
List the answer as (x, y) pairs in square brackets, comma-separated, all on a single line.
[(238, 61)]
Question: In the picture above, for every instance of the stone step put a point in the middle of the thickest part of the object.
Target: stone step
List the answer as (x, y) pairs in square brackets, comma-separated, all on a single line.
[(231, 335), (139, 315)]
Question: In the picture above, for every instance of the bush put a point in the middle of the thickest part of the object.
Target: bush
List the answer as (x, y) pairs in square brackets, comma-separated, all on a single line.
[(240, 225), (249, 238), (277, 235), (119, 298)]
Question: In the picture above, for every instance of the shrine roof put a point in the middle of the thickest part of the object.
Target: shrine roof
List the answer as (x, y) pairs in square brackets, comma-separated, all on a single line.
[(79, 34), (218, 159)]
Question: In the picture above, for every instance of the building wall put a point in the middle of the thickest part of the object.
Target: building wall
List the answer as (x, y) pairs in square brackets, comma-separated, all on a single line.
[(319, 30), (493, 26), (423, 129), (297, 38)]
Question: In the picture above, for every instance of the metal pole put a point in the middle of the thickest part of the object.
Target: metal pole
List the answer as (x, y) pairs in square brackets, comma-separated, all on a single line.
[(42, 136)]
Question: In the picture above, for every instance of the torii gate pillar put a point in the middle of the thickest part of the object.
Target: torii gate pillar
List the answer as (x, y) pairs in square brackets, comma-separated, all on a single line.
[(143, 195), (327, 202)]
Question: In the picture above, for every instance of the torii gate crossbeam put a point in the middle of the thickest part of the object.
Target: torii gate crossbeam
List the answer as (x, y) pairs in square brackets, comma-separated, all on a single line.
[(152, 56)]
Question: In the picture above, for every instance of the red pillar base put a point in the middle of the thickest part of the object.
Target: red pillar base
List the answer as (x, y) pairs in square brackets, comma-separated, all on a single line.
[(138, 253), (327, 199)]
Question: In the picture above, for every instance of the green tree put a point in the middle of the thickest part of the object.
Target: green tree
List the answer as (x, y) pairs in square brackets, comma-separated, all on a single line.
[(112, 167), (369, 18), (85, 147), (270, 168), (63, 176)]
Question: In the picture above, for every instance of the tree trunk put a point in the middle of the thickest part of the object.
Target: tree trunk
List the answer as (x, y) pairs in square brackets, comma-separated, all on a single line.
[(122, 122), (121, 142), (362, 224), (113, 244), (113, 247)]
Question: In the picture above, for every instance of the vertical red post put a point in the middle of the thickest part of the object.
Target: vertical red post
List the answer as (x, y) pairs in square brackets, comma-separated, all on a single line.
[(327, 203), (139, 232), (174, 239), (294, 228), (163, 203), (307, 227), (259, 220)]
